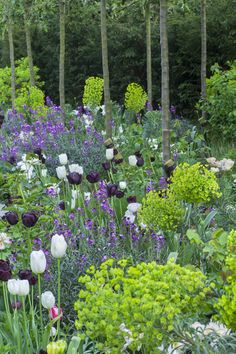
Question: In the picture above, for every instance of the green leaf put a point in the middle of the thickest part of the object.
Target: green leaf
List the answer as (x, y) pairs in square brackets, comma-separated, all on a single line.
[(194, 237)]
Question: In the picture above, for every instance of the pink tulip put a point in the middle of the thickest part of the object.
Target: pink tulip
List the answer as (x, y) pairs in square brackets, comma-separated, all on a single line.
[(53, 313)]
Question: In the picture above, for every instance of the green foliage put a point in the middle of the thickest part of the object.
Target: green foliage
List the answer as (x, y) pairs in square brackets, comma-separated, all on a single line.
[(25, 95), (160, 211), (135, 98), (194, 184), (227, 303), (93, 91), (134, 307), (221, 101)]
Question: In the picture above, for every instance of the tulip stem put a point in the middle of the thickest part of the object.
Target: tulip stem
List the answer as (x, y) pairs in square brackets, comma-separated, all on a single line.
[(25, 322), (59, 296), (40, 304)]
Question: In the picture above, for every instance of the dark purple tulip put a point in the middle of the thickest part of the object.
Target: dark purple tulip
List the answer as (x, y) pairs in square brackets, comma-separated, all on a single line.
[(16, 305), (12, 160), (38, 151), (138, 154), (74, 178), (33, 280), (118, 159), (5, 270), (120, 194), (62, 205), (93, 177), (115, 151), (12, 217), (25, 274), (106, 165), (112, 189), (29, 219), (152, 158), (140, 161), (132, 199)]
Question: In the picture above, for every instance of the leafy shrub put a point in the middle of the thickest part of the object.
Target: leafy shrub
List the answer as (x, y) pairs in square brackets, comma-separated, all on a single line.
[(135, 98), (24, 94), (93, 91), (160, 211), (194, 184), (133, 306), (221, 101), (227, 303)]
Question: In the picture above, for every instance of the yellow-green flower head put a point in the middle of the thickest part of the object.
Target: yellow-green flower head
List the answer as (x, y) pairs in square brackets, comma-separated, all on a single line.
[(58, 347), (194, 184), (93, 91), (161, 211), (135, 98)]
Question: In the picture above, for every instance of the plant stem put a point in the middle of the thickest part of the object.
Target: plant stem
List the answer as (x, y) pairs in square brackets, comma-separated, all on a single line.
[(59, 296), (40, 304)]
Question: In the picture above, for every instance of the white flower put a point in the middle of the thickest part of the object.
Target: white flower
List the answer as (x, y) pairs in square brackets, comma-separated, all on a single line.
[(122, 185), (44, 172), (103, 132), (226, 164), (214, 169), (211, 160), (133, 160), (61, 172), (53, 332), (58, 246), (23, 287), (12, 285), (63, 159), (76, 168), (38, 262), (134, 207), (103, 108), (2, 212), (129, 216), (87, 196), (121, 130), (217, 327), (74, 196), (48, 300), (109, 154), (4, 239)]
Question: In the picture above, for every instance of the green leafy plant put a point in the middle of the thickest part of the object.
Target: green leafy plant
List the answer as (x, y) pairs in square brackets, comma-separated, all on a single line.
[(93, 91), (133, 307), (194, 184), (135, 98)]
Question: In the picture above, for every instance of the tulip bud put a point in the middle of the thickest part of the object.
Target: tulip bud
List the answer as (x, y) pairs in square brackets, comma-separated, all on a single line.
[(109, 154), (53, 332), (63, 159), (131, 199), (58, 347), (76, 168), (48, 300), (12, 217), (140, 162), (5, 270), (38, 261), (29, 219), (16, 305), (74, 178), (62, 205), (133, 160), (122, 185), (12, 286), (53, 313), (23, 289), (111, 190), (58, 246), (61, 172), (106, 165), (93, 177), (120, 194)]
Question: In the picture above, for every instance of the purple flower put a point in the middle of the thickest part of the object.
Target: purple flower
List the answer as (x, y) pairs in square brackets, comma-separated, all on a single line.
[(29, 219), (162, 182), (12, 217), (28, 275), (106, 165), (131, 199), (74, 178), (120, 194), (62, 205), (5, 270), (93, 177), (140, 161), (112, 190)]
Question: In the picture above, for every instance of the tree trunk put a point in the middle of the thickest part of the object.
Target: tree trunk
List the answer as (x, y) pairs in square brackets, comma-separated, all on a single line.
[(149, 52), (12, 61), (62, 54), (29, 48), (203, 51), (105, 66), (165, 99)]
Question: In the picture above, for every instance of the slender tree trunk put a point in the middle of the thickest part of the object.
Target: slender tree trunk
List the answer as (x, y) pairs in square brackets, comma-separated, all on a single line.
[(62, 54), (203, 50), (149, 51), (105, 67), (29, 48), (12, 61), (165, 99)]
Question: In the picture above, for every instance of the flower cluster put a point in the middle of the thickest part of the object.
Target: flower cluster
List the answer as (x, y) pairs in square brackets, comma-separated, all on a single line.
[(222, 165), (93, 91)]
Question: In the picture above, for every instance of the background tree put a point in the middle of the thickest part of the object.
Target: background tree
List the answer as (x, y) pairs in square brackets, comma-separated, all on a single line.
[(165, 99), (105, 67), (149, 49), (62, 7), (203, 51)]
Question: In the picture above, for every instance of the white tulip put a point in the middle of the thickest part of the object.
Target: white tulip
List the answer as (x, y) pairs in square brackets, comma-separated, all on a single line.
[(133, 160), (130, 216), (48, 300), (44, 172), (38, 262), (12, 285), (109, 154), (134, 207), (53, 332), (63, 159), (58, 246), (122, 185), (23, 287), (87, 196), (76, 168), (61, 172)]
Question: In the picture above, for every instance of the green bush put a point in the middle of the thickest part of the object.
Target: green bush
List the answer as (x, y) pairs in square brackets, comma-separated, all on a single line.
[(194, 184), (93, 91), (135, 98), (221, 101), (133, 307)]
